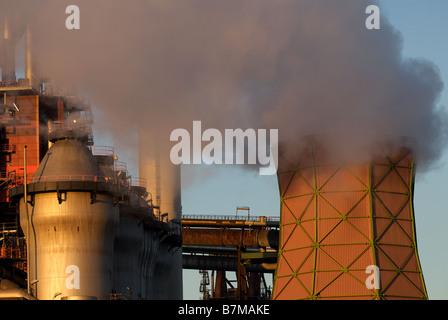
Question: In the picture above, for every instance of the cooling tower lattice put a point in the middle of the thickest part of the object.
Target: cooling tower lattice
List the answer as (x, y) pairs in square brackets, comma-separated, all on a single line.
[(336, 220)]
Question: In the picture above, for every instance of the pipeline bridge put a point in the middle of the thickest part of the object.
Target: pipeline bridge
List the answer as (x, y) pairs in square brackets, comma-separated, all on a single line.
[(246, 245)]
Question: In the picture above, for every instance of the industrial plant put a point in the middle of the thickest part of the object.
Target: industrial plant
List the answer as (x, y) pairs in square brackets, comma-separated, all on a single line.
[(75, 224), (68, 204)]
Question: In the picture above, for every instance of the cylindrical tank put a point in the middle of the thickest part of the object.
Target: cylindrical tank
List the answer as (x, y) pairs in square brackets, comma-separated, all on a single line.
[(153, 286), (127, 250), (347, 230), (70, 226)]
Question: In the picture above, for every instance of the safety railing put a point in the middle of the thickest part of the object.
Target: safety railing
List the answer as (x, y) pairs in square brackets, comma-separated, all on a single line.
[(81, 125), (17, 181), (15, 83), (137, 182), (102, 150), (61, 178), (82, 178), (78, 128), (228, 217), (120, 166), (65, 178)]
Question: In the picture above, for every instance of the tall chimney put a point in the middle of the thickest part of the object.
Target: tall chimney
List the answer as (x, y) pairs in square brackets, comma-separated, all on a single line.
[(8, 52), (347, 230), (28, 56), (164, 186)]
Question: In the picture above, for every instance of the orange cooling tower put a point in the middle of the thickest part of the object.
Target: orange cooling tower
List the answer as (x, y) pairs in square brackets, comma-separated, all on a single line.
[(347, 231)]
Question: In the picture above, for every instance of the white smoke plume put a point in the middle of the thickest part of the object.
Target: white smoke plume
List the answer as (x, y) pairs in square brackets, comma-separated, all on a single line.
[(300, 66)]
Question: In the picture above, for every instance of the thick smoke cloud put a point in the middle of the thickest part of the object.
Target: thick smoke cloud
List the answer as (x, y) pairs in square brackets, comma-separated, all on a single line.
[(301, 66)]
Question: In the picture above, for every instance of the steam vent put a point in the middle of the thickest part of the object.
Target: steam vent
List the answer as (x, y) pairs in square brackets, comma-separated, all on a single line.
[(339, 222)]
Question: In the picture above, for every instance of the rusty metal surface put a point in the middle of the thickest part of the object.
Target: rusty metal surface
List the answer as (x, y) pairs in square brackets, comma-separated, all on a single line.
[(230, 237), (231, 223), (340, 219)]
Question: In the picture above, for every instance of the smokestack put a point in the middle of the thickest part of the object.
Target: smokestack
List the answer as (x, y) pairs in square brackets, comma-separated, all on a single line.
[(8, 51), (164, 186), (339, 222), (28, 56), (163, 177)]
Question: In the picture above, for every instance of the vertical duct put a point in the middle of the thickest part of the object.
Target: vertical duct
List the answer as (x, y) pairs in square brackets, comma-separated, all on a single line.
[(339, 219), (60, 109), (8, 51), (163, 178), (164, 186), (28, 56)]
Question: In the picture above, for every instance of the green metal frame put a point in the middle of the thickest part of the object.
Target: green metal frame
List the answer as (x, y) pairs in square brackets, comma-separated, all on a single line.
[(373, 241)]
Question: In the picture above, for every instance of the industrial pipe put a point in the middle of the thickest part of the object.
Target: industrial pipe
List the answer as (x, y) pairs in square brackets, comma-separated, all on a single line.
[(201, 262), (231, 237), (28, 57), (217, 223), (215, 249)]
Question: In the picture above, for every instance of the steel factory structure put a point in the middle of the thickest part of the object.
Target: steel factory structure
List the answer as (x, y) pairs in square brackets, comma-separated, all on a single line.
[(74, 225)]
